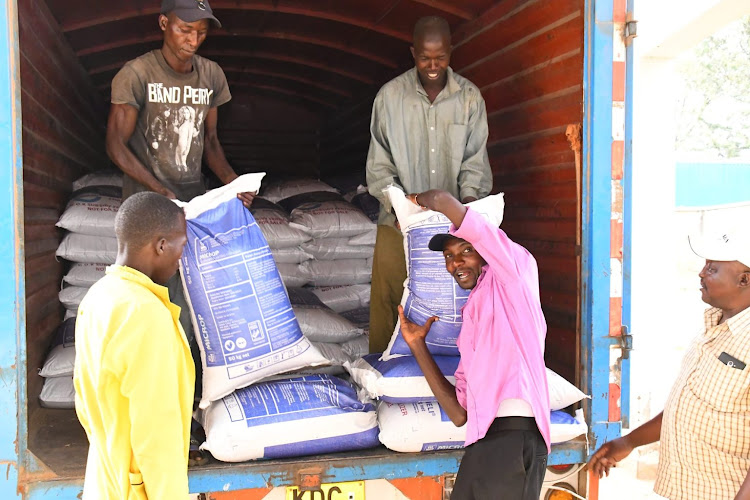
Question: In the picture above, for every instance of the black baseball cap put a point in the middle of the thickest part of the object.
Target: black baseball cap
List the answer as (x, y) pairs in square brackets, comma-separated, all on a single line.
[(437, 242), (189, 10)]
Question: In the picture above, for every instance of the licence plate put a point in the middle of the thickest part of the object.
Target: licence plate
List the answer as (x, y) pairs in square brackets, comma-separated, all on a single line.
[(354, 490)]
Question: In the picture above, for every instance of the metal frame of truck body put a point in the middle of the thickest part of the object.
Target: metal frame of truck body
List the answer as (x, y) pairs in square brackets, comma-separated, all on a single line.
[(24, 476)]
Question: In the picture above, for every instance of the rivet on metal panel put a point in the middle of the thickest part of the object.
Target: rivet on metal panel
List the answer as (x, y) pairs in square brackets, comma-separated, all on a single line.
[(309, 479)]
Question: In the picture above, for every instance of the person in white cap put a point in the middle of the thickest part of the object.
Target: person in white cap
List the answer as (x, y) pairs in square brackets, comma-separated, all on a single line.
[(704, 430)]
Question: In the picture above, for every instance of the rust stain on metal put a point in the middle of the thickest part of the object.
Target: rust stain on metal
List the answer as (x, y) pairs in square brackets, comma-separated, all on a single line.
[(309, 479)]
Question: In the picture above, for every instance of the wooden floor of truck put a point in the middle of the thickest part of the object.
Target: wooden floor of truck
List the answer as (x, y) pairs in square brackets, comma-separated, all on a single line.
[(58, 441)]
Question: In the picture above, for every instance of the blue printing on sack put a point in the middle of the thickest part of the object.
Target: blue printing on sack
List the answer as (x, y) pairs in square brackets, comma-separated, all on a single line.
[(358, 441), (432, 292), (293, 399), (560, 417), (402, 400), (442, 445), (244, 317), (407, 366)]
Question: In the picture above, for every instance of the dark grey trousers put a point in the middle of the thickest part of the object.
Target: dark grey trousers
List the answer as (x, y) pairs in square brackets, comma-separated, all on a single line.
[(507, 464)]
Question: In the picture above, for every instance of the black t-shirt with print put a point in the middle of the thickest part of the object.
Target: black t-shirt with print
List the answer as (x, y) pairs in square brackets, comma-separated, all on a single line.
[(172, 107)]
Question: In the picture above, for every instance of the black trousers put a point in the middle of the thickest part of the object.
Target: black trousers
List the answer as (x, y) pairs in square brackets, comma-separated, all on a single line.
[(507, 464)]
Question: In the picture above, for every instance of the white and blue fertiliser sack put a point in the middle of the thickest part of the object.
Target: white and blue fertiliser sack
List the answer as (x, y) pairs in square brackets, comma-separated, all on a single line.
[(287, 418), (243, 320), (62, 356), (418, 426), (429, 289), (564, 427), (398, 380)]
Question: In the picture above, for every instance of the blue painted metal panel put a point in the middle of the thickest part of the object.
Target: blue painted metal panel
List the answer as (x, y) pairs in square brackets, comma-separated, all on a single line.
[(12, 294), (627, 244), (711, 183), (251, 475), (596, 206)]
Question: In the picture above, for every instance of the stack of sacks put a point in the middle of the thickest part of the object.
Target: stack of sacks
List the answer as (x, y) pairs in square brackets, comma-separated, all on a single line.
[(344, 298), (317, 238), (410, 418), (283, 240), (58, 391), (360, 317), (90, 243), (275, 192), (337, 338), (342, 241), (300, 416)]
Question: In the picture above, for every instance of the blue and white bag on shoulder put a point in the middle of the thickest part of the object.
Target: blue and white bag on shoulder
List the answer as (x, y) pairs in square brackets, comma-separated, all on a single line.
[(244, 323), (429, 289)]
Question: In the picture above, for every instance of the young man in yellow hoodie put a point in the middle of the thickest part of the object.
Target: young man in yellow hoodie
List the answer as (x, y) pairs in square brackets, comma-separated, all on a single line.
[(134, 375)]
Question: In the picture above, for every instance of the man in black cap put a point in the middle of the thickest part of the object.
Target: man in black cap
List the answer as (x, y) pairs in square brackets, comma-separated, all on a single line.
[(162, 121)]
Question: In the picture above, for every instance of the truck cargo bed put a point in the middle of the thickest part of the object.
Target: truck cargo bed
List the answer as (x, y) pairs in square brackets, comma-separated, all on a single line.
[(60, 444)]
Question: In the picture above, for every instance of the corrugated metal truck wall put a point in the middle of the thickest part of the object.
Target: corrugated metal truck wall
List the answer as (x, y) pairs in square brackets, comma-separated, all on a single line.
[(526, 58), (63, 138)]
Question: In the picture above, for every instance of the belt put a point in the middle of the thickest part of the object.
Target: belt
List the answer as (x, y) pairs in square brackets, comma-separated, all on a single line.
[(512, 424)]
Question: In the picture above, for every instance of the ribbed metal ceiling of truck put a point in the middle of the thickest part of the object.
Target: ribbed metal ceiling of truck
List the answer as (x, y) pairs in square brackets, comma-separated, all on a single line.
[(321, 52)]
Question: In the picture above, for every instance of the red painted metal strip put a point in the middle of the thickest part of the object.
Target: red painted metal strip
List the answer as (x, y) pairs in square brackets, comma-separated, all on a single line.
[(618, 81), (618, 159), (616, 239), (620, 11), (420, 488), (254, 494), (615, 316), (615, 413)]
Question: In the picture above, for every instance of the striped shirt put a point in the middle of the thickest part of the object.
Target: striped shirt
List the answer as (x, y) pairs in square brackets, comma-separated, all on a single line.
[(705, 430)]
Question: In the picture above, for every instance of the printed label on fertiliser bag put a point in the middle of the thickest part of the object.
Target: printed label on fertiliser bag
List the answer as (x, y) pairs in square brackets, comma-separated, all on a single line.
[(307, 415), (431, 291), (241, 313), (293, 399)]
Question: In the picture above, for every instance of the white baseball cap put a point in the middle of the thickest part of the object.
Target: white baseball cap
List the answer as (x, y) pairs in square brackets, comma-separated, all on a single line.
[(723, 246)]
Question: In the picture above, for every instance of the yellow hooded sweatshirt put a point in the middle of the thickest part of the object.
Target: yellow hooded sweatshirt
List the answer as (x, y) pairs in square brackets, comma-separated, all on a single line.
[(134, 380)]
